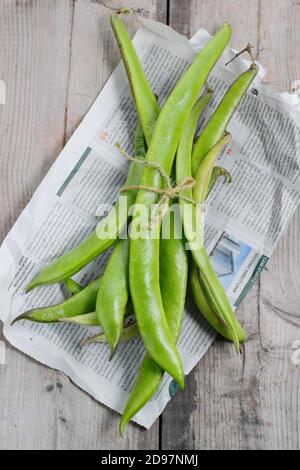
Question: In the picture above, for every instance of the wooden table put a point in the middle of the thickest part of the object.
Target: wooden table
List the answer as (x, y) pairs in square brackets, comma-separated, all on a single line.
[(55, 56)]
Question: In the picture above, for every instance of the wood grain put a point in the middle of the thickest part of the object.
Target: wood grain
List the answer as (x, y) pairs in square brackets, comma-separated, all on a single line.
[(279, 301), (35, 60), (55, 57), (249, 402), (210, 15), (94, 57)]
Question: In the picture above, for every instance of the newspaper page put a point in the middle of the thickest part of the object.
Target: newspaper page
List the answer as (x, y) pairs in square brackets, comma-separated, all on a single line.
[(244, 220)]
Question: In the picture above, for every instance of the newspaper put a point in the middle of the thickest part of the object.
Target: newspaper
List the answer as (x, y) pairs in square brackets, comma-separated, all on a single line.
[(244, 220)]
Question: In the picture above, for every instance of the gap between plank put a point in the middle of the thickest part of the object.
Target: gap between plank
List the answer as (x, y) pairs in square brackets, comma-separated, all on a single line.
[(69, 74), (160, 425)]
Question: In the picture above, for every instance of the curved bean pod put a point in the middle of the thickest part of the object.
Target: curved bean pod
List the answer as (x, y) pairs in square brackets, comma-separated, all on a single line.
[(88, 319), (70, 263), (78, 304), (205, 308), (193, 221), (144, 251), (144, 99), (210, 282), (114, 293), (217, 172), (173, 276), (129, 333), (111, 305), (73, 261), (173, 297), (73, 286), (216, 126), (206, 304)]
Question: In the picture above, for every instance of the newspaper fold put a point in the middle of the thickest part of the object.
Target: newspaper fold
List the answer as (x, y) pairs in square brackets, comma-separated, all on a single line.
[(244, 220)]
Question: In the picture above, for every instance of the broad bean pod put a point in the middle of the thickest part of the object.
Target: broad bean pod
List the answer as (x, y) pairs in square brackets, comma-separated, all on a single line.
[(145, 100), (88, 319), (173, 276), (205, 304), (73, 286), (210, 282), (70, 263), (129, 332), (217, 172), (144, 250), (206, 309), (78, 304), (216, 126), (111, 303), (113, 294)]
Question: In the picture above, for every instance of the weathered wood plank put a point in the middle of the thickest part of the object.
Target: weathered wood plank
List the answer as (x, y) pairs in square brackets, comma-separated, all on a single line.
[(279, 308), (94, 57), (58, 52), (94, 51), (279, 42), (35, 57), (251, 401), (34, 64), (188, 17)]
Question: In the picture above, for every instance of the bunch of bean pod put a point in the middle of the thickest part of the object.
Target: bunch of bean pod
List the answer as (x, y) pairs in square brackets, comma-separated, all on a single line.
[(149, 273)]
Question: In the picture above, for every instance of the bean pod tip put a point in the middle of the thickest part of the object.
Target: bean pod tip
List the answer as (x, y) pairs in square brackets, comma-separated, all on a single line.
[(23, 316)]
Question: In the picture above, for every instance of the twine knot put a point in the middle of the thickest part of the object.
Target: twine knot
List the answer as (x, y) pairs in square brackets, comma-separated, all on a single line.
[(167, 193)]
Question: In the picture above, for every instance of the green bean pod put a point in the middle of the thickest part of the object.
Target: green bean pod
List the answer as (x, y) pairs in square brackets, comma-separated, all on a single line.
[(173, 282), (111, 226), (206, 309), (145, 100), (113, 294), (171, 250), (173, 276), (218, 172), (111, 304), (210, 282), (214, 292), (204, 301), (88, 319), (144, 251), (70, 263), (216, 126), (193, 220), (129, 333), (184, 151), (173, 271), (73, 286), (78, 304), (204, 297)]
